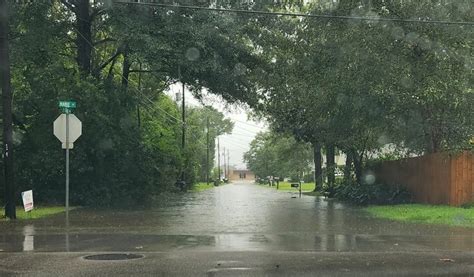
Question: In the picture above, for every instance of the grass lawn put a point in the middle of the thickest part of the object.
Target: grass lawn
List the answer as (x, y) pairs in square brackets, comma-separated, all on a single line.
[(286, 186), (419, 213), (202, 186), (37, 212)]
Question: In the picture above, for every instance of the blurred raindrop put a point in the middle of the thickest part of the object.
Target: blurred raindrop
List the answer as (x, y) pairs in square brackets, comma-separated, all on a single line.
[(17, 137), (240, 69), (398, 33), (369, 178), (383, 140), (412, 38), (406, 82), (341, 99), (106, 144), (126, 122), (469, 63), (192, 54), (374, 16), (425, 44)]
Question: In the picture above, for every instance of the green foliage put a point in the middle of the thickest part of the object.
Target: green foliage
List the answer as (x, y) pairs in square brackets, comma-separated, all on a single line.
[(354, 84), (366, 194), (196, 130), (363, 84), (130, 148)]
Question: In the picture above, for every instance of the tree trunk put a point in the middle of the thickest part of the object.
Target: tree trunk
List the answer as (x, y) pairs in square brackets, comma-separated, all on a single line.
[(331, 164), (83, 35), (5, 80), (126, 68), (357, 165), (348, 167), (318, 170)]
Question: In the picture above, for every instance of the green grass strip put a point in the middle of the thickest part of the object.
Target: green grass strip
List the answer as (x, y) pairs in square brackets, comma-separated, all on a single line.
[(37, 212), (202, 186), (286, 186), (430, 214)]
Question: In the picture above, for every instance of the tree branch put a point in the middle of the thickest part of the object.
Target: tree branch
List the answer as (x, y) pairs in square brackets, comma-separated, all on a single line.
[(109, 75), (96, 12), (144, 71), (109, 61), (104, 41)]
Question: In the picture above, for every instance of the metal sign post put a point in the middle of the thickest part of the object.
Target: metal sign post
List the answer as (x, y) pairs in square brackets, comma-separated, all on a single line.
[(67, 128), (299, 183), (67, 167)]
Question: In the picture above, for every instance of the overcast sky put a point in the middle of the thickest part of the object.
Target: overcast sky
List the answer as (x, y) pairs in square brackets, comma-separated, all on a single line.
[(244, 129)]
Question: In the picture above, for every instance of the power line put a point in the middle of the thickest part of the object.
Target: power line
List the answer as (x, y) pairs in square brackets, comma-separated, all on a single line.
[(246, 123), (240, 135), (318, 16), (236, 143), (245, 130)]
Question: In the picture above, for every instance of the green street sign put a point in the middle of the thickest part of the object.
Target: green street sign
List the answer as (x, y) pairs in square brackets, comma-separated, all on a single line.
[(67, 106)]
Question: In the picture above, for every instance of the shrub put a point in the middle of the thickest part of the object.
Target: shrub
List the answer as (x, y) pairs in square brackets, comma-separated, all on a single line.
[(308, 178), (469, 205), (365, 194)]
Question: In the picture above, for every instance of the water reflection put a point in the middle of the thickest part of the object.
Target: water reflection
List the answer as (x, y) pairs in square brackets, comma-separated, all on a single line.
[(29, 238)]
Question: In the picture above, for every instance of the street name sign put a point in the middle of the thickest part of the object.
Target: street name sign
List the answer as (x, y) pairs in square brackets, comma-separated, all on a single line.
[(67, 106)]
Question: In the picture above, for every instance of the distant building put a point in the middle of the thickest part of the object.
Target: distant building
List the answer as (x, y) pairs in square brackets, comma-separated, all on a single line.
[(241, 174)]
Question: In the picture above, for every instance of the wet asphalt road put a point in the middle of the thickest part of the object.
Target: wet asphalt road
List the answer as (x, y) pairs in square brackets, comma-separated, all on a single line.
[(237, 229)]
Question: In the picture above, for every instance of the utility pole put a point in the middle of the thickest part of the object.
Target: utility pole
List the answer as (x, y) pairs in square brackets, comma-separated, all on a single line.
[(183, 111), (228, 164), (183, 137), (5, 80), (225, 167), (139, 96), (207, 151), (182, 182), (218, 161)]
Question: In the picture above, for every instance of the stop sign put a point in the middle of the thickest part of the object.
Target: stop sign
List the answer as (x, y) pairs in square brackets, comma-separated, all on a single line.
[(75, 129)]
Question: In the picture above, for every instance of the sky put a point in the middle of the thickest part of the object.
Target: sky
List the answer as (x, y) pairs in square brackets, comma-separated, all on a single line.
[(245, 129)]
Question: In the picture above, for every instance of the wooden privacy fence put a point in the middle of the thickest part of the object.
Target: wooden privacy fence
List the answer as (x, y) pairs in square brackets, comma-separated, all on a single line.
[(439, 178)]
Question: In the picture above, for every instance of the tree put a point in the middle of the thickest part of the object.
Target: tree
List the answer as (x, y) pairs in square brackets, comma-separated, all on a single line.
[(196, 149), (337, 83), (273, 154)]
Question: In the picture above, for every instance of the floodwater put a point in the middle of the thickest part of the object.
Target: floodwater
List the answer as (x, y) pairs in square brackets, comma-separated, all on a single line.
[(234, 217)]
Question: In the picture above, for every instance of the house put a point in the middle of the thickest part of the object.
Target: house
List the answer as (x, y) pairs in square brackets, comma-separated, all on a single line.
[(241, 174)]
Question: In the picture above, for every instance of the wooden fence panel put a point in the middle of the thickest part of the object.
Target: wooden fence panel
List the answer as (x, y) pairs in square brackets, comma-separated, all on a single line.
[(439, 178), (464, 179)]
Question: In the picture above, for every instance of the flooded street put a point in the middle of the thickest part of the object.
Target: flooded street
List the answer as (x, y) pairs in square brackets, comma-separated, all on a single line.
[(235, 217)]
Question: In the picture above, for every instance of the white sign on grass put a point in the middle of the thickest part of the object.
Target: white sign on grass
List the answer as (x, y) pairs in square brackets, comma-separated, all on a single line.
[(27, 197)]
